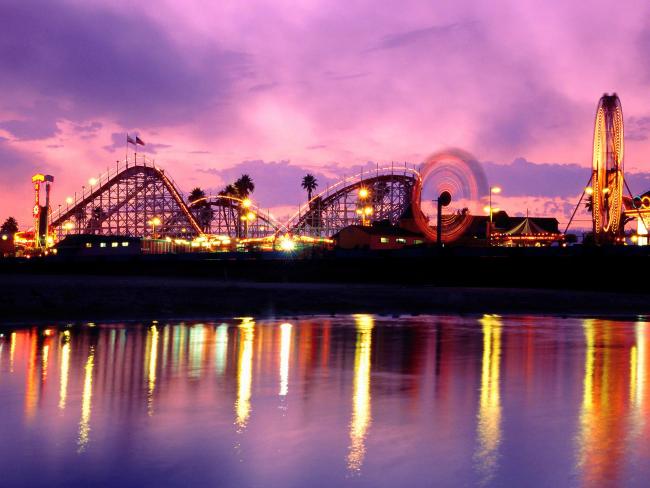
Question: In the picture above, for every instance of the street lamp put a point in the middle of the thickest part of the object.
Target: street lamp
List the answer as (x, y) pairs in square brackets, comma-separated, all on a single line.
[(154, 222), (496, 190)]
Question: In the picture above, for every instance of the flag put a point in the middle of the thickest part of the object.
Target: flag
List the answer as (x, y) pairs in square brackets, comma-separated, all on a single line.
[(129, 140), (139, 141)]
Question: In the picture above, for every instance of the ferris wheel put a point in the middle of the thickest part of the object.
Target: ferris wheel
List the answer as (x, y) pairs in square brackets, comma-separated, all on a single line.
[(607, 168)]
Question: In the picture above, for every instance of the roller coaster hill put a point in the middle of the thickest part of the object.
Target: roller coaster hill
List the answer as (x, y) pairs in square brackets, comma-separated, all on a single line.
[(136, 207), (380, 209)]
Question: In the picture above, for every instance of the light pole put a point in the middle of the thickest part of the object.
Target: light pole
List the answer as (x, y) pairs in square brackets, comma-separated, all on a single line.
[(363, 209), (496, 190), (443, 200), (154, 222)]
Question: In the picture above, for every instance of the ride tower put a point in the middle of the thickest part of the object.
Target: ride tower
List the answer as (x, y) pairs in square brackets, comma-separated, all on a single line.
[(41, 212)]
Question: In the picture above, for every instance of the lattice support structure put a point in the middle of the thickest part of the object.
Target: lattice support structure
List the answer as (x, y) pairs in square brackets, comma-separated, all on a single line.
[(387, 197), (136, 200)]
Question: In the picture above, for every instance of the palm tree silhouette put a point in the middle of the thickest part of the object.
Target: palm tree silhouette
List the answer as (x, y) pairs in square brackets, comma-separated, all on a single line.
[(196, 194), (244, 186), (309, 183), (589, 203)]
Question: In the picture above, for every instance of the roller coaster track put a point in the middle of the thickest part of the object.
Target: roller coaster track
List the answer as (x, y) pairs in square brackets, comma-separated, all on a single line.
[(140, 199), (388, 197)]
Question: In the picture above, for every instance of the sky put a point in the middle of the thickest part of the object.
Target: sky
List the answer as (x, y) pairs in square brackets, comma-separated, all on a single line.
[(280, 88)]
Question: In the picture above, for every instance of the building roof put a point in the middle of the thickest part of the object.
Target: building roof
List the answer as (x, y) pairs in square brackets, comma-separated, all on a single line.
[(381, 229), (526, 228)]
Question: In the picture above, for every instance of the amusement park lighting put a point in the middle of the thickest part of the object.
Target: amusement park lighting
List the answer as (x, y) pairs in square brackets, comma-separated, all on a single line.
[(92, 181), (250, 216), (589, 190), (287, 244), (68, 225), (363, 193), (69, 200), (155, 221), (495, 189), (605, 190), (246, 202), (367, 210), (4, 237)]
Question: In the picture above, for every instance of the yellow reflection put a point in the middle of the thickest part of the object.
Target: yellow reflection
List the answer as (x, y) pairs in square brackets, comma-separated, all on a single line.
[(221, 352), (86, 398), (65, 368), (638, 376), (361, 412), (489, 413), (586, 410), (638, 372), (153, 357), (45, 356), (197, 340), (285, 350), (31, 395), (244, 372), (12, 352)]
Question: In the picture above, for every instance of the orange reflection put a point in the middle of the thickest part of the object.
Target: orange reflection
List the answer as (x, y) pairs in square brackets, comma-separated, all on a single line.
[(611, 364)]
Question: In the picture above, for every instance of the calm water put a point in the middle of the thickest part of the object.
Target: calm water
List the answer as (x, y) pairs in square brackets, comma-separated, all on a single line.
[(318, 401)]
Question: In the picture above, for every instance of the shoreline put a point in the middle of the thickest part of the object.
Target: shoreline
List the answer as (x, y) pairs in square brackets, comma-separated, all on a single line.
[(33, 297)]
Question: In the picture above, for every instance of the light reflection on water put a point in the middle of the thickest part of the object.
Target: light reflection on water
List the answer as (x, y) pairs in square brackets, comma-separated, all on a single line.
[(319, 401)]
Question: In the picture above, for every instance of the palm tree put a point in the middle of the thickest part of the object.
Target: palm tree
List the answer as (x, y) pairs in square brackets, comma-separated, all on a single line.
[(589, 203), (229, 191), (244, 186), (196, 194), (309, 183), (10, 226)]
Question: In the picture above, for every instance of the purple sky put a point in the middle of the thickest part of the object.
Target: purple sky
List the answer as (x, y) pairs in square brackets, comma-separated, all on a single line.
[(279, 88)]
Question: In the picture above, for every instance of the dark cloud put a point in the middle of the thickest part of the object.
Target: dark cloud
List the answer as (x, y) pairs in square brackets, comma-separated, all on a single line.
[(522, 178), (107, 63), (263, 87), (17, 165), (637, 128), (343, 77), (427, 34)]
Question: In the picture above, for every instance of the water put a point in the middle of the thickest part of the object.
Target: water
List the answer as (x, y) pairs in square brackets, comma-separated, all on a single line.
[(321, 401)]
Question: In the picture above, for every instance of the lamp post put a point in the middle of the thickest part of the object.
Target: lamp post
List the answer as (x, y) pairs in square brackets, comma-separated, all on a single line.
[(496, 190), (154, 222), (363, 209)]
